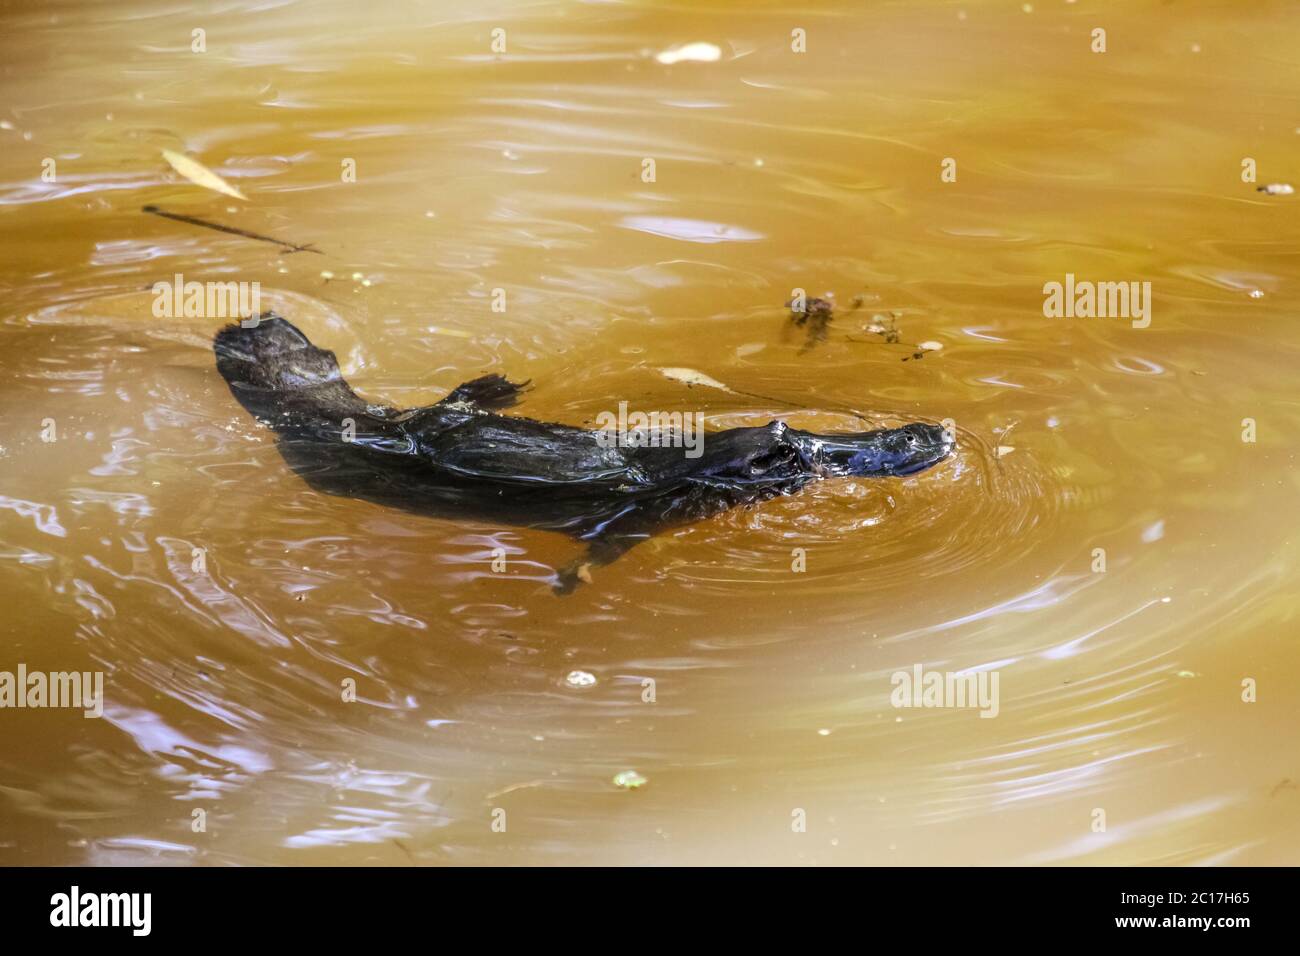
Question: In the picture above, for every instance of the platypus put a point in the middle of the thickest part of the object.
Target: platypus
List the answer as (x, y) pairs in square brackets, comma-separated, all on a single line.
[(461, 457)]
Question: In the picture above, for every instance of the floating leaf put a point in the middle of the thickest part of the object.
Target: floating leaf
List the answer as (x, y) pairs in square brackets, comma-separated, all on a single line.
[(1004, 450), (691, 377), (200, 175)]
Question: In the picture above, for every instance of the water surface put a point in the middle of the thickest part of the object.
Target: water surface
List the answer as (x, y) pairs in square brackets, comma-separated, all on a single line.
[(774, 170)]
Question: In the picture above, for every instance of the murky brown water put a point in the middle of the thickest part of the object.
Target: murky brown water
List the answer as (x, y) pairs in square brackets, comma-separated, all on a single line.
[(1119, 691)]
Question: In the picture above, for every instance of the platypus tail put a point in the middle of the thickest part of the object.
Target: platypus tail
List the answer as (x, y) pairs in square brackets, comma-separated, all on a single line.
[(269, 353), (275, 372)]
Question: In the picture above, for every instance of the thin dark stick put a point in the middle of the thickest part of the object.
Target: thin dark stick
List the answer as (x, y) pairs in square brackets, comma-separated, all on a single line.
[(230, 229)]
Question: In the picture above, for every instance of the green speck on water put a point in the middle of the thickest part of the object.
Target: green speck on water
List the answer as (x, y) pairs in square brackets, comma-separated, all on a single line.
[(629, 780)]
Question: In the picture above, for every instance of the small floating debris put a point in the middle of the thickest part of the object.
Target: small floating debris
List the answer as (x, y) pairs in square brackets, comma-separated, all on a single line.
[(919, 350), (200, 175), (1277, 189), (691, 52), (886, 326), (629, 780), (580, 679), (690, 376), (1001, 451), (814, 309), (816, 314), (195, 221)]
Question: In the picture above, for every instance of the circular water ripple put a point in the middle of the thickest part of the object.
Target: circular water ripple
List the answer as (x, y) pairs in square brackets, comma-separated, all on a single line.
[(883, 533)]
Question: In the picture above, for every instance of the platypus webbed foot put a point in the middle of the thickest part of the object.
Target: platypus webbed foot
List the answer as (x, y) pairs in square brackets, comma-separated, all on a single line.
[(491, 392), (568, 577), (600, 552)]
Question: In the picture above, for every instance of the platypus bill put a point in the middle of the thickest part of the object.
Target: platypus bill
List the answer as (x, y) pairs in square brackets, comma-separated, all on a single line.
[(462, 458)]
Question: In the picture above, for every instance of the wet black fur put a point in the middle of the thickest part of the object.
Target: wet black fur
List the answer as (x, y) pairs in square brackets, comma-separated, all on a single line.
[(462, 458)]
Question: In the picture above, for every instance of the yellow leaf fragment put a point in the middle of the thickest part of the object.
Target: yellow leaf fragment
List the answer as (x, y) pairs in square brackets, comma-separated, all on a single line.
[(690, 376), (200, 175)]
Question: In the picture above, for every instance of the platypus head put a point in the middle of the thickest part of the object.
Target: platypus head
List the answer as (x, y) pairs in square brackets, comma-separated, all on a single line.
[(912, 448), (889, 451)]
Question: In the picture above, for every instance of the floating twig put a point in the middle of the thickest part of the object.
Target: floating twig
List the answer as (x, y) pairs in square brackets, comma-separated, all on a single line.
[(232, 230)]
